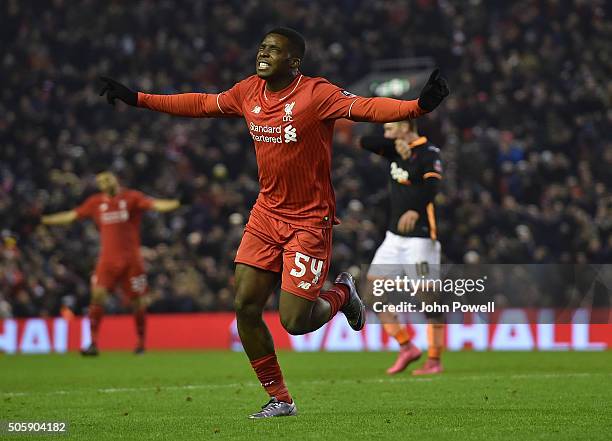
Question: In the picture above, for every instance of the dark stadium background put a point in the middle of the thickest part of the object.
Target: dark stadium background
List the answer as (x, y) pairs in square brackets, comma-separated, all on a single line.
[(524, 134)]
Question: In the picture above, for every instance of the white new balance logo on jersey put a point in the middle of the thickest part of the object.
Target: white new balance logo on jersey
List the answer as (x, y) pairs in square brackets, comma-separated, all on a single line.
[(256, 109), (290, 134)]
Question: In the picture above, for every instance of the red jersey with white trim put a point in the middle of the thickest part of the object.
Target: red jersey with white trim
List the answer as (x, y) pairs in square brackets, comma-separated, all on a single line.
[(292, 130), (118, 219)]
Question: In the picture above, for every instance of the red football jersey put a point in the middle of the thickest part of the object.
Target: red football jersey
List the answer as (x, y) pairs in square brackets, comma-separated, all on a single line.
[(118, 220), (292, 131)]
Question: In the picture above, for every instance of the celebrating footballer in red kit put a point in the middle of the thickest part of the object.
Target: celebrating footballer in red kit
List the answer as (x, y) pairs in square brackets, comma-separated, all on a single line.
[(117, 213), (288, 237)]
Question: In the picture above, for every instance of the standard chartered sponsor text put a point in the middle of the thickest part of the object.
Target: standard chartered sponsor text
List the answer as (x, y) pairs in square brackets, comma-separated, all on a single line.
[(258, 133)]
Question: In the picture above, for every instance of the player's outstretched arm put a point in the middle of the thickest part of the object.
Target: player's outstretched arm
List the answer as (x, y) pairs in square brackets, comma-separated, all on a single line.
[(165, 205), (61, 218), (343, 105), (182, 104)]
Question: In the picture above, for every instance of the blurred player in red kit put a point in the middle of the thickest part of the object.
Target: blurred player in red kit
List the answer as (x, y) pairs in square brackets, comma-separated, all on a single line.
[(288, 237), (117, 213)]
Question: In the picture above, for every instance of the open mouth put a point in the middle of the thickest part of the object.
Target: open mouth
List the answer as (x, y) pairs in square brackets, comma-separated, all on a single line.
[(263, 65)]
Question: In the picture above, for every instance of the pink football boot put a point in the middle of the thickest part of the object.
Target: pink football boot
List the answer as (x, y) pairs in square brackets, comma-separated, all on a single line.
[(431, 366), (407, 354)]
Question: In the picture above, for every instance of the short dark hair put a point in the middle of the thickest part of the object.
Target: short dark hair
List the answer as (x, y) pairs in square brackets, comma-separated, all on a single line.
[(296, 40)]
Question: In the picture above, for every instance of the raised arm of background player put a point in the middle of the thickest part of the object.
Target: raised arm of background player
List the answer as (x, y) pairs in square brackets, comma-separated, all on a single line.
[(69, 216), (431, 173), (331, 101)]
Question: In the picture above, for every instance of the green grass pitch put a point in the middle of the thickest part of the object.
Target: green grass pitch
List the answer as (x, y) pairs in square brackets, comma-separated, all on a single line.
[(207, 395)]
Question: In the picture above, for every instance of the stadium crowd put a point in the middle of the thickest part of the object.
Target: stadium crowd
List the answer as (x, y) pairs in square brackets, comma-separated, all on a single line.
[(528, 164)]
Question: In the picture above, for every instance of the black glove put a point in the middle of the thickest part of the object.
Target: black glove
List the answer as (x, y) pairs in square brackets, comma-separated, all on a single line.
[(114, 90), (434, 91)]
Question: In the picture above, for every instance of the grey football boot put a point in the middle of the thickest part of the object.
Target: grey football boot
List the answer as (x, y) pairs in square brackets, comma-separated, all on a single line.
[(275, 408), (354, 309)]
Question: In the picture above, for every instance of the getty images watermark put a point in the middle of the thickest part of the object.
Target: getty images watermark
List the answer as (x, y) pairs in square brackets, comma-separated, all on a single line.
[(432, 295), (465, 293)]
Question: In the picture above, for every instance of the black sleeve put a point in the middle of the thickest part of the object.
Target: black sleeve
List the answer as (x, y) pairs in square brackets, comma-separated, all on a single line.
[(426, 194), (431, 170), (431, 165), (379, 145)]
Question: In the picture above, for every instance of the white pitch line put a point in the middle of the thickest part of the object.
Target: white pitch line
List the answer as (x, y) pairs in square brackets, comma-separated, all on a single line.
[(332, 382)]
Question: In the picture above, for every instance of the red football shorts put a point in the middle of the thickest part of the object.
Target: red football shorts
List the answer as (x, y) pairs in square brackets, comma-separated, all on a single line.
[(127, 273), (302, 254)]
